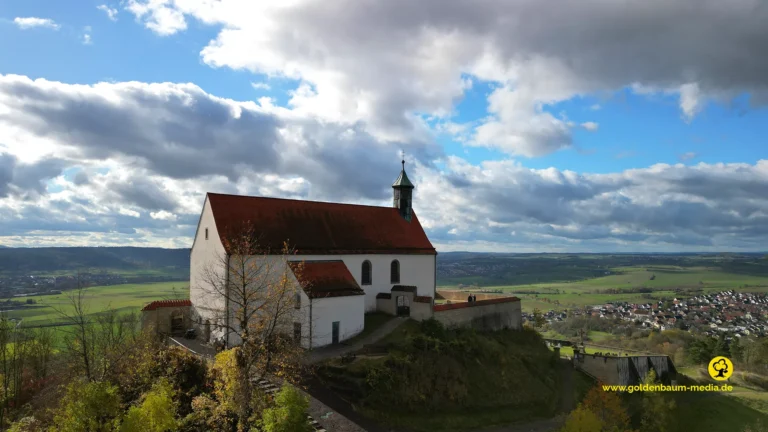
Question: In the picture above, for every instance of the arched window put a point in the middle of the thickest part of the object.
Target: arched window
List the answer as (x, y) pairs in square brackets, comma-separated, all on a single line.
[(366, 276), (394, 271)]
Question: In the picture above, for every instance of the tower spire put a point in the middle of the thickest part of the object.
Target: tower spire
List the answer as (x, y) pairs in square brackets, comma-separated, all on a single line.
[(403, 192)]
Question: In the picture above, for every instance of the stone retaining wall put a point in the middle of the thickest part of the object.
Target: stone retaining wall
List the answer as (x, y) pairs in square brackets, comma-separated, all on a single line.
[(495, 314), (461, 296)]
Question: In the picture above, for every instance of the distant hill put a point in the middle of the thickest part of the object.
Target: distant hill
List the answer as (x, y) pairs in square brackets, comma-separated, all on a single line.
[(126, 259), (507, 269)]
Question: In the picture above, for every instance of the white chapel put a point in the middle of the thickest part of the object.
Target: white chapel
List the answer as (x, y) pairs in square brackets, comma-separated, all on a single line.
[(356, 259)]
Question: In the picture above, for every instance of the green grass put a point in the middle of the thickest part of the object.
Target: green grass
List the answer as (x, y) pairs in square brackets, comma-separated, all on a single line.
[(716, 411), (598, 336), (123, 298)]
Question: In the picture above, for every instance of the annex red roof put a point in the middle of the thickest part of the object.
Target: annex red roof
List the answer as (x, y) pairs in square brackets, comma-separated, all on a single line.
[(313, 227), (321, 279), (157, 304)]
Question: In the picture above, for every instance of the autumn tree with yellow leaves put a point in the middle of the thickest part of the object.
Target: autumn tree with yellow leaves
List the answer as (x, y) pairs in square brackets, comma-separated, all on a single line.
[(256, 293)]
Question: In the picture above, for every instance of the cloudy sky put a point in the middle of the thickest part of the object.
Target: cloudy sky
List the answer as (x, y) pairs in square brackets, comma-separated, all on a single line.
[(527, 125)]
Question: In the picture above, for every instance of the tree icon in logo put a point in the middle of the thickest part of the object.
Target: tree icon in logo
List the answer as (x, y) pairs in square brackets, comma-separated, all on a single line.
[(720, 368)]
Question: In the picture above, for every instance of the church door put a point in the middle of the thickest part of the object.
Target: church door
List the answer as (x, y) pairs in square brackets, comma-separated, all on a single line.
[(403, 306), (177, 322), (335, 333)]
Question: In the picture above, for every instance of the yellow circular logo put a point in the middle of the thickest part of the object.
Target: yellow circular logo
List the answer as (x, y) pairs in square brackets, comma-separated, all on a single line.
[(720, 368)]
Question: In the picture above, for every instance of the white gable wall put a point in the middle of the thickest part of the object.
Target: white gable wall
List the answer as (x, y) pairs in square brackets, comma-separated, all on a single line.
[(347, 310), (204, 254)]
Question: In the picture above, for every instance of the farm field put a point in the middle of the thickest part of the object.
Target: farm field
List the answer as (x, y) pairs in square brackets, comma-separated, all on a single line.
[(663, 280), (123, 298), (665, 277)]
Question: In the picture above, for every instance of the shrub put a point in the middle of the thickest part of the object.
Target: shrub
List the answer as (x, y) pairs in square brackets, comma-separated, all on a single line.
[(186, 373), (289, 413), (88, 407), (230, 386), (26, 424), (582, 420), (156, 413), (208, 416)]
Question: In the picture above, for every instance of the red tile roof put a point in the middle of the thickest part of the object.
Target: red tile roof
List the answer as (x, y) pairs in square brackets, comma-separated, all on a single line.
[(321, 279), (313, 227), (157, 304)]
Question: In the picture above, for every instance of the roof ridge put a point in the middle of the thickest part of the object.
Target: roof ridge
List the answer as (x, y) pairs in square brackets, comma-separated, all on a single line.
[(300, 200)]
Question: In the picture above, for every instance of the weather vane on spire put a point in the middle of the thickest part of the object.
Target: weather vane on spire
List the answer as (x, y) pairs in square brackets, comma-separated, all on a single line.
[(402, 156)]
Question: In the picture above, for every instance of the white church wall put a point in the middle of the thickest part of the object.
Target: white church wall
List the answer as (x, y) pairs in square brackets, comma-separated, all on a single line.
[(416, 270), (204, 254), (347, 310)]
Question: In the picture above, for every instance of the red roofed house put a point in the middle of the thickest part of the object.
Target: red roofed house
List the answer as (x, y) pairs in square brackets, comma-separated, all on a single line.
[(167, 316), (357, 259)]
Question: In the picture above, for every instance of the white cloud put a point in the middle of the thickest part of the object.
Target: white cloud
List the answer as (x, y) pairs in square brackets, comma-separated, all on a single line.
[(32, 22), (688, 156), (390, 64), (260, 86), (590, 126), (595, 107), (690, 100), (128, 212), (160, 16), (111, 12), (145, 185), (87, 40), (163, 215)]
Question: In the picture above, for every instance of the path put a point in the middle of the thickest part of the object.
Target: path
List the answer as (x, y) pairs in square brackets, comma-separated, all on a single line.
[(326, 353), (567, 404)]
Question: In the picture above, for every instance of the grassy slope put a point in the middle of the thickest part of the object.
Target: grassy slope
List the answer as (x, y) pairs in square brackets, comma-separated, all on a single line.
[(473, 381), (718, 411), (123, 298)]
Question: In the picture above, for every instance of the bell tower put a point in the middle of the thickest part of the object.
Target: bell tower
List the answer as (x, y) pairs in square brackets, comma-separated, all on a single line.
[(403, 193)]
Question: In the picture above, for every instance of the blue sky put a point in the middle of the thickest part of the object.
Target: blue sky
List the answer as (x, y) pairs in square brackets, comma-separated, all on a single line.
[(567, 104)]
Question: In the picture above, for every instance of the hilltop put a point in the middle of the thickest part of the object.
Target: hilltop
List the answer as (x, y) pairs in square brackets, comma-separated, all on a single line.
[(424, 377)]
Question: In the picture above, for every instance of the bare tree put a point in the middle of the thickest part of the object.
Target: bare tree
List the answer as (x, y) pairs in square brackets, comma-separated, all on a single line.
[(6, 352), (79, 335), (112, 332), (255, 293), (41, 350), (14, 350)]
